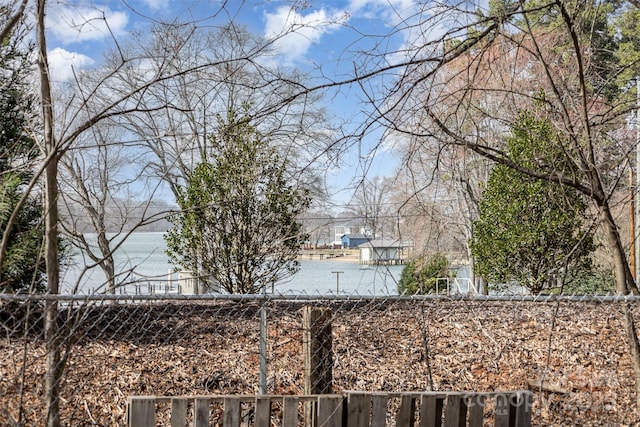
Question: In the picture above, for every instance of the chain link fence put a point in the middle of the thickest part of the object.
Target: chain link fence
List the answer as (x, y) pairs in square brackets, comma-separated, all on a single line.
[(572, 352)]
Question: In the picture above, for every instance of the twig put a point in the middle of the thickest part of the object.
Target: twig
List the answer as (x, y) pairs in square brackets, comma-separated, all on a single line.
[(86, 408)]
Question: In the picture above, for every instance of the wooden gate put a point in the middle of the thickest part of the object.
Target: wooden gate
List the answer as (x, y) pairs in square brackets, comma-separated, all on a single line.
[(351, 409)]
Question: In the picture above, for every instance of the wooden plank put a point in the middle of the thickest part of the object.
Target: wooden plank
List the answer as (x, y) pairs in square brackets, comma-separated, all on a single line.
[(379, 410), (316, 349), (431, 411), (142, 412), (476, 410), (330, 411), (456, 411), (504, 414), (231, 416), (310, 413), (290, 412), (407, 411), (179, 412), (201, 412), (263, 411), (523, 409), (358, 410)]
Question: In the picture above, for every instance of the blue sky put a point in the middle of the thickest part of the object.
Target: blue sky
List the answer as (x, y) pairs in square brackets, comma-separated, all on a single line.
[(80, 31), (78, 26)]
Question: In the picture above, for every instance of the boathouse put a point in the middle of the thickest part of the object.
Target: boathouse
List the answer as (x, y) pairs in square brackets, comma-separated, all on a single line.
[(383, 251), (352, 241)]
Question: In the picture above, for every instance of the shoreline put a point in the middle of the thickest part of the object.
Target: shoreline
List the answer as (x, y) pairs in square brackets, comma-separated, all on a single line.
[(353, 259)]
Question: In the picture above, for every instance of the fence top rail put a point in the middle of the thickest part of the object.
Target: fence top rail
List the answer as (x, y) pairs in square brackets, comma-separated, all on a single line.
[(318, 298), (438, 394), (218, 398)]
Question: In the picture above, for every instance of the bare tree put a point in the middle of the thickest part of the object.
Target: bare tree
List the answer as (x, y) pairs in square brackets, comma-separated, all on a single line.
[(371, 204), (470, 71), (230, 71), (51, 152), (430, 221), (199, 75), (104, 193), (318, 221), (102, 98), (464, 79), (438, 194)]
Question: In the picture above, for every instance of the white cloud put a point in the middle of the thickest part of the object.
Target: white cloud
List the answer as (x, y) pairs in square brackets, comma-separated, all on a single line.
[(293, 33), (62, 63), (416, 25), (71, 24)]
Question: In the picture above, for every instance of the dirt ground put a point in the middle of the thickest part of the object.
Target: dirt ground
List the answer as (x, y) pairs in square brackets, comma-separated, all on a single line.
[(187, 348)]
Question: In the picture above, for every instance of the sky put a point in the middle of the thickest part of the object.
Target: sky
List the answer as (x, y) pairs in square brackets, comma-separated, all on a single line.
[(79, 32)]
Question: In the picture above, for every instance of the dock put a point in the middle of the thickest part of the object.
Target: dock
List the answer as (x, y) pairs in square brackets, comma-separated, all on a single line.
[(325, 254)]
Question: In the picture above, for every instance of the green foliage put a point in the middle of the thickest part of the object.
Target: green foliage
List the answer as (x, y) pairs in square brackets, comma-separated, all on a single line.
[(420, 275), (625, 28), (591, 21), (607, 31), (598, 282), (23, 267), (238, 227), (530, 230)]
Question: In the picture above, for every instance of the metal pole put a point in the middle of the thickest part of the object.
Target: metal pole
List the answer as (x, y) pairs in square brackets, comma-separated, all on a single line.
[(263, 345), (337, 273)]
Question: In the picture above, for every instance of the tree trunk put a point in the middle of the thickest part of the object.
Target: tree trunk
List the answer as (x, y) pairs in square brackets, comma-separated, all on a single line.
[(54, 367), (107, 264), (625, 284)]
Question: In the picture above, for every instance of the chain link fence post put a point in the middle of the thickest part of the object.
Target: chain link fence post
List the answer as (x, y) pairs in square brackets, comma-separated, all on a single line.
[(263, 345)]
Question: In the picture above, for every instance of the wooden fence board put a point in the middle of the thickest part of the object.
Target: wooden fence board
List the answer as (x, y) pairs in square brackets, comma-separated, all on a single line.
[(352, 409), (290, 412), (358, 410), (231, 416), (476, 410), (431, 411), (379, 410), (263, 411), (179, 412), (455, 414), (201, 412), (407, 411), (330, 411), (504, 416), (523, 410), (142, 412)]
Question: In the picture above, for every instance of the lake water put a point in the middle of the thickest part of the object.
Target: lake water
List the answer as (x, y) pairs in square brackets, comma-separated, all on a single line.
[(144, 254)]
